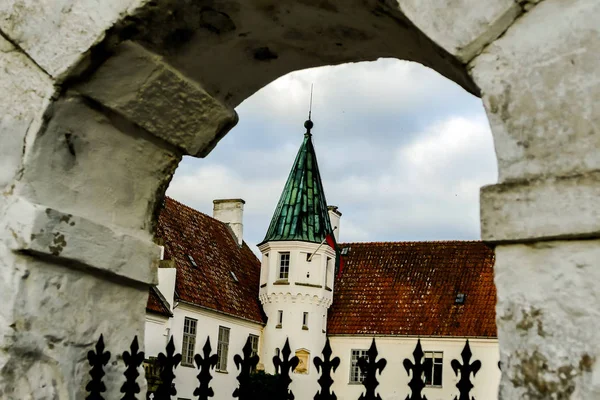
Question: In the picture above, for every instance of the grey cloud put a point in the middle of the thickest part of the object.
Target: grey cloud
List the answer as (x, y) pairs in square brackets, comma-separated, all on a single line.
[(401, 150)]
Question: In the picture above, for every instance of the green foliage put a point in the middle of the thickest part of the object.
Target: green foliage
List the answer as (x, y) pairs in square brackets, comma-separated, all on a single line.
[(263, 385)]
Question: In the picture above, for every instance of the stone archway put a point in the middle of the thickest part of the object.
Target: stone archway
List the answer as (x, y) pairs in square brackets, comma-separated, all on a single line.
[(101, 102)]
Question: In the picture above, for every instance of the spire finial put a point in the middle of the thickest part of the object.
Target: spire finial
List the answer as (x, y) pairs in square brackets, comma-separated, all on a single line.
[(309, 124)]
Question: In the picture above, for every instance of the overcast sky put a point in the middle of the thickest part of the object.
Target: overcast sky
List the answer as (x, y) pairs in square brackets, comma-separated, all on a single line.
[(402, 152)]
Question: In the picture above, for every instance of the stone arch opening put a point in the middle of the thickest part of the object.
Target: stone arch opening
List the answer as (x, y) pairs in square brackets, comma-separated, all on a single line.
[(370, 124), (99, 90)]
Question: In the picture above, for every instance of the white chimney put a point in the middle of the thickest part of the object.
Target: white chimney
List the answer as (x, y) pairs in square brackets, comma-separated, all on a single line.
[(231, 212), (334, 217)]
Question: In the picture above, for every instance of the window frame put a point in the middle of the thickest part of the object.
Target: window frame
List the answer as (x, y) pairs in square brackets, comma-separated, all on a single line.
[(283, 272), (279, 324), (360, 377), (305, 320), (222, 346), (254, 339), (432, 356), (188, 340)]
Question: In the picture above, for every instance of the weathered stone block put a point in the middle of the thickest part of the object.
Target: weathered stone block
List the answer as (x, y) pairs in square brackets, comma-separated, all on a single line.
[(541, 209), (51, 317), (104, 169), (40, 230), (541, 88), (140, 86), (548, 318), (58, 33), (26, 91), (461, 27)]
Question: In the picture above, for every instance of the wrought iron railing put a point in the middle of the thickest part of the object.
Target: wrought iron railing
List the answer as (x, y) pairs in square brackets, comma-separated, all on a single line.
[(160, 373)]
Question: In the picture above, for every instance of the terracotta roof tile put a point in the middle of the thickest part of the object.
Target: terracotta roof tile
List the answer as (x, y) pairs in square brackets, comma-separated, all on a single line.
[(189, 233), (409, 288), (157, 304)]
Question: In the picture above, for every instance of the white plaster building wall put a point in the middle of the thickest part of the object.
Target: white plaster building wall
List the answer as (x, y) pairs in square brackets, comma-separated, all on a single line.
[(301, 271), (304, 291), (394, 379), (166, 284), (208, 325), (311, 339), (157, 333)]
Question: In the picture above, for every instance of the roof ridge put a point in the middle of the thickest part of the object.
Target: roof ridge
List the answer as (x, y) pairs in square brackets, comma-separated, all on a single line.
[(413, 241), (188, 207), (204, 214)]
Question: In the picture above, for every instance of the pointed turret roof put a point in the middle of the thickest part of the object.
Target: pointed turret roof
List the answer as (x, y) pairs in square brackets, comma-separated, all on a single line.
[(301, 213)]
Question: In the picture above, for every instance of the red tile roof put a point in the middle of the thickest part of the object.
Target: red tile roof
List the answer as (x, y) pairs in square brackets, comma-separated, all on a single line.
[(186, 233), (409, 288), (157, 303)]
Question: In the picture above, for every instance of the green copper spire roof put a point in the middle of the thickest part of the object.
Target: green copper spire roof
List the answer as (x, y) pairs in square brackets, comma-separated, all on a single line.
[(301, 213)]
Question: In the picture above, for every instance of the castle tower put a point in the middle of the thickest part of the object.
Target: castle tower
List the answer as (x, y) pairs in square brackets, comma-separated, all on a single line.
[(297, 271)]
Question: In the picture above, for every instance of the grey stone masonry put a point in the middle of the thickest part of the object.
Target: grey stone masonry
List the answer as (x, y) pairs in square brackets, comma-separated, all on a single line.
[(101, 99)]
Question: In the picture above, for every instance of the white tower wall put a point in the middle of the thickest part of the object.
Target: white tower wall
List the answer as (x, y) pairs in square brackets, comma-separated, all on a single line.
[(308, 289)]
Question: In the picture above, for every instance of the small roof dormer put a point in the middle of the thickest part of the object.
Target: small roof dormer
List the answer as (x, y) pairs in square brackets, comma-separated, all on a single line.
[(301, 214)]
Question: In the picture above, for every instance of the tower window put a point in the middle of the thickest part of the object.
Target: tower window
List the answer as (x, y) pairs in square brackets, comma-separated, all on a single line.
[(329, 273), (284, 266), (305, 321), (279, 319)]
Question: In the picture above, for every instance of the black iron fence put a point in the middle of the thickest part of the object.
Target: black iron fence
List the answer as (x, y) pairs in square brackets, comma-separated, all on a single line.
[(160, 373)]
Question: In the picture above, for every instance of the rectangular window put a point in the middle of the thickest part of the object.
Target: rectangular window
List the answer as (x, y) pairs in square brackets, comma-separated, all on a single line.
[(284, 266), (222, 349), (254, 344), (433, 372), (189, 341), (279, 319), (305, 320), (356, 376)]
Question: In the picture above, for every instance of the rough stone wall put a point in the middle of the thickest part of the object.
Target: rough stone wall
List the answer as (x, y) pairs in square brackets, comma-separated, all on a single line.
[(85, 163), (101, 99), (540, 87)]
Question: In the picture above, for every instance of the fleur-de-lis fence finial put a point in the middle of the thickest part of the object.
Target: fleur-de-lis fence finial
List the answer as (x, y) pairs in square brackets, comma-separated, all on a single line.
[(133, 359), (464, 385), (97, 359), (283, 367), (325, 366), (246, 365), (167, 363), (369, 367), (418, 368), (205, 363)]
